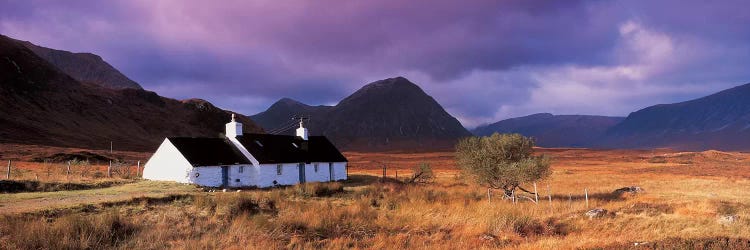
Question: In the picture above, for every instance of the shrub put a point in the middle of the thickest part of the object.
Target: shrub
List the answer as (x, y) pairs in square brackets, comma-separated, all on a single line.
[(319, 189), (501, 161)]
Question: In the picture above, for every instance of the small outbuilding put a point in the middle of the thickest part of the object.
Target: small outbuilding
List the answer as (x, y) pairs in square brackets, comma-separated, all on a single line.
[(247, 160)]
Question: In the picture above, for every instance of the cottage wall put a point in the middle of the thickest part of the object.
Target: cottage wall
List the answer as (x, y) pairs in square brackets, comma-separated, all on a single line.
[(339, 171), (167, 164), (320, 176), (209, 176)]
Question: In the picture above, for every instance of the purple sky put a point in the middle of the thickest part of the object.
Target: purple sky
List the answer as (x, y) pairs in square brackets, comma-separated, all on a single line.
[(482, 60)]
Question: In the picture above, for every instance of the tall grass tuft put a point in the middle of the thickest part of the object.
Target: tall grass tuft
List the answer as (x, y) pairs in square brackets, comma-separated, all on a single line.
[(68, 232)]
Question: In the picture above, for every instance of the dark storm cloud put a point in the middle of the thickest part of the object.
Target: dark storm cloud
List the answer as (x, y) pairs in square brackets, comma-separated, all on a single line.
[(483, 60)]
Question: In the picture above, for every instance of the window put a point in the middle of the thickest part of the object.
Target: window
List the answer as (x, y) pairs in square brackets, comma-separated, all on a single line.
[(278, 169), (242, 169), (316, 167)]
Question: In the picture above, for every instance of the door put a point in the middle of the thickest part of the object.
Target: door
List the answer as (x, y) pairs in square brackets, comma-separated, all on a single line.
[(330, 171), (224, 176), (301, 173)]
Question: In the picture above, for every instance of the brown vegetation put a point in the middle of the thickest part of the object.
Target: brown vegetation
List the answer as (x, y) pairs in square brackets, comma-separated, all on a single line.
[(678, 209)]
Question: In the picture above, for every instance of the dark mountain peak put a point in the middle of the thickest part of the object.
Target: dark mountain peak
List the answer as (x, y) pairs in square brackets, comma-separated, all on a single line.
[(390, 92), (392, 113), (391, 84), (84, 67), (289, 102)]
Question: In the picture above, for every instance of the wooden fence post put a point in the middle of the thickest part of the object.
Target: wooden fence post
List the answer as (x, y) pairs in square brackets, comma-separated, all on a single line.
[(138, 170), (68, 174), (513, 194), (549, 195), (586, 191), (536, 195), (109, 170), (570, 201), (489, 195), (7, 175), (384, 171)]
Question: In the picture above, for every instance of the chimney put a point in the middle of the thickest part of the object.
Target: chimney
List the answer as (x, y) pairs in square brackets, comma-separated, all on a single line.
[(302, 131), (234, 128)]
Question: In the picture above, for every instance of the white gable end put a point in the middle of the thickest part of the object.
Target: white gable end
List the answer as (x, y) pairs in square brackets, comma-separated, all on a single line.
[(167, 164)]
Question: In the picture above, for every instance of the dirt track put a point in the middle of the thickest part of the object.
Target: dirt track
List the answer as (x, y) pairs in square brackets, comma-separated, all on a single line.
[(29, 202)]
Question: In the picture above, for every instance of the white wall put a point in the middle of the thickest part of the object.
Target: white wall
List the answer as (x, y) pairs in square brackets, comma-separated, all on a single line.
[(167, 164), (209, 176), (339, 171), (320, 176)]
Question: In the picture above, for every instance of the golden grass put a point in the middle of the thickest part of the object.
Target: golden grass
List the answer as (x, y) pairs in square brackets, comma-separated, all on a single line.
[(679, 209)]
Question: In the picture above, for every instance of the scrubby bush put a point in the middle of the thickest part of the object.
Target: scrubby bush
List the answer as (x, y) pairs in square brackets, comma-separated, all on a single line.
[(501, 161)]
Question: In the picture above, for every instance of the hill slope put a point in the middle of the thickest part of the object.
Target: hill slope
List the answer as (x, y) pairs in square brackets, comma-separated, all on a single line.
[(718, 121), (284, 109), (555, 130), (390, 114), (84, 67), (40, 104)]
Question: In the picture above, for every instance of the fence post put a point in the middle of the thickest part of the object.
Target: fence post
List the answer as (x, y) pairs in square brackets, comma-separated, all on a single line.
[(109, 170), (536, 195), (586, 191), (7, 175), (384, 171), (513, 193), (138, 170), (489, 195), (570, 201), (549, 195), (68, 173)]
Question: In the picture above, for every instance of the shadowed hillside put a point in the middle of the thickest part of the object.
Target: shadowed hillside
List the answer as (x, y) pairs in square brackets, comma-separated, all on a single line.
[(84, 67), (718, 121), (39, 104)]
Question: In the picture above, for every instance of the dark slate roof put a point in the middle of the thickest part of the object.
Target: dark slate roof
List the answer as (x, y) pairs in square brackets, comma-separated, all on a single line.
[(281, 148), (208, 151)]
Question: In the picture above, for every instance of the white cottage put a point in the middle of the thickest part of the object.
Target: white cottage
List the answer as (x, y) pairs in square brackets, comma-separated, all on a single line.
[(247, 160)]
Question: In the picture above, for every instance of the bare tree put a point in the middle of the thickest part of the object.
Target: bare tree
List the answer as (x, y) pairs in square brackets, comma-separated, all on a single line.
[(120, 167), (422, 174), (502, 161), (83, 166)]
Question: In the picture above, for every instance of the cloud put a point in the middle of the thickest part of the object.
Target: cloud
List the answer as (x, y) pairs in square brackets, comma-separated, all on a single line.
[(482, 60)]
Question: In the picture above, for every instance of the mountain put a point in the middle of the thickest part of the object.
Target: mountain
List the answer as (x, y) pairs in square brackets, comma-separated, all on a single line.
[(390, 114), (41, 104), (718, 121), (555, 130), (285, 109), (84, 67)]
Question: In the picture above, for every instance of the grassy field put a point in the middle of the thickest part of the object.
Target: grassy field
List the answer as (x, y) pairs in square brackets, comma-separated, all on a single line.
[(691, 200)]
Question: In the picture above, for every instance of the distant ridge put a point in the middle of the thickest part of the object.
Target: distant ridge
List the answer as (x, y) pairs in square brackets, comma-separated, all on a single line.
[(555, 130), (718, 121)]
